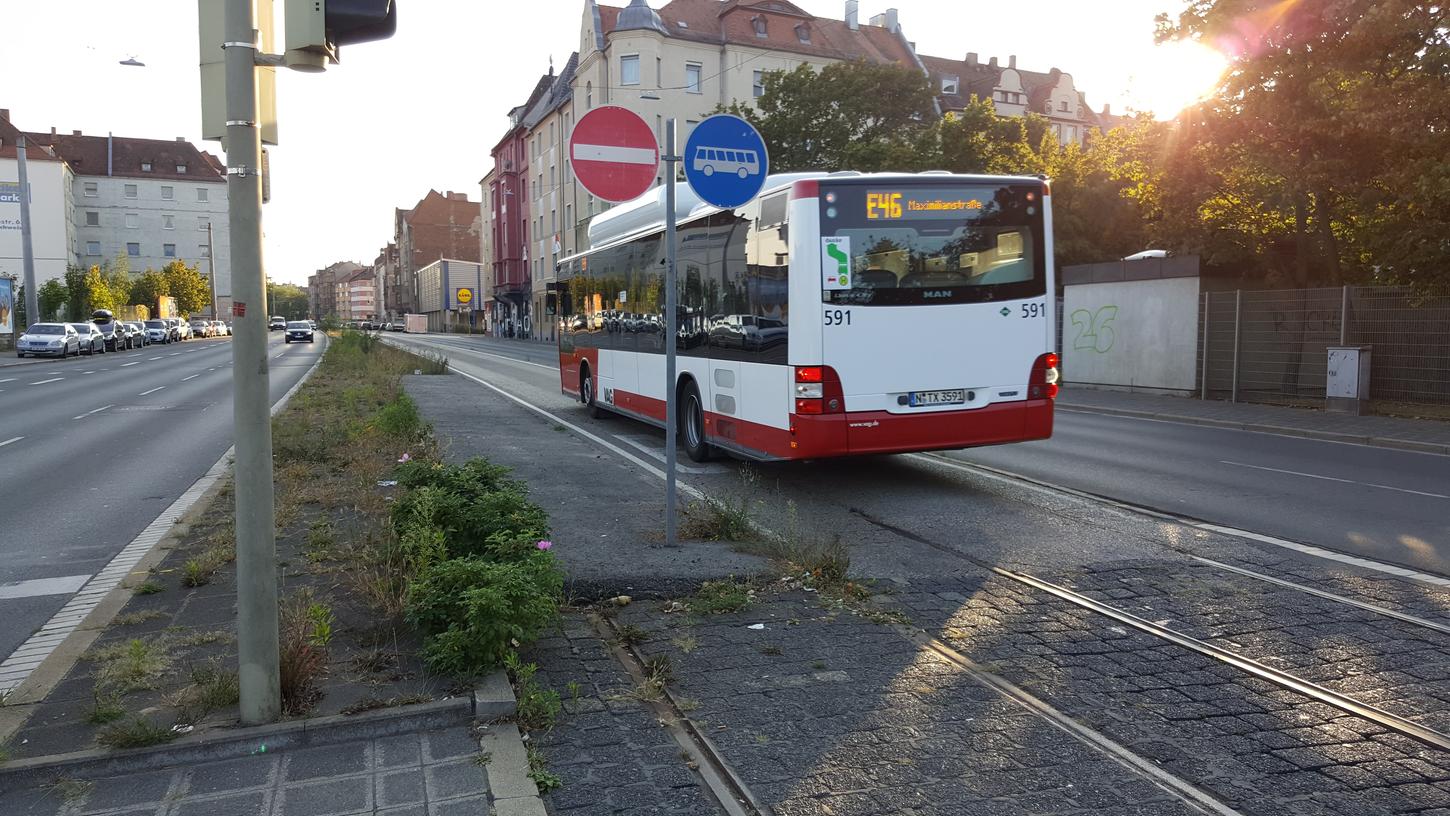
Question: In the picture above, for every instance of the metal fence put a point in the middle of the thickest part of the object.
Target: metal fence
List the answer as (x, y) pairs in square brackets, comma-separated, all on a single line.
[(1271, 346)]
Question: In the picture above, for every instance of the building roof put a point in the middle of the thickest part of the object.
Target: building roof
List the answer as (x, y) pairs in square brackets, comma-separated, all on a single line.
[(560, 90), (437, 208), (979, 79), (787, 28), (10, 135), (639, 15), (87, 156)]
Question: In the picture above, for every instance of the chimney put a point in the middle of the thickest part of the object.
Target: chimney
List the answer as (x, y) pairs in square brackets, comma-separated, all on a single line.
[(5, 112), (853, 9), (893, 23), (75, 133), (180, 138), (992, 63), (1107, 109), (1012, 62), (52, 131), (971, 59), (878, 20)]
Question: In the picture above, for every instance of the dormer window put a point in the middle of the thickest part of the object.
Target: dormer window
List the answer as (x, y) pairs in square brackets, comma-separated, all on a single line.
[(803, 33), (758, 22), (950, 84), (1063, 105), (145, 167), (181, 168)]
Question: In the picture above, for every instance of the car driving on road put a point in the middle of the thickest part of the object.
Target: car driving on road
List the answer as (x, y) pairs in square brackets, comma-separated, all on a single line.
[(298, 330), (276, 324), (49, 340), (92, 341)]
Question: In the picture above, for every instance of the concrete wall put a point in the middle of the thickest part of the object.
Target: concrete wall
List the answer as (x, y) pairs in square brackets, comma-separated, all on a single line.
[(1135, 335), (51, 228)]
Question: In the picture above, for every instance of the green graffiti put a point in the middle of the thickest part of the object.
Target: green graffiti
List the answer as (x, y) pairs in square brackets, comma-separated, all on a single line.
[(1094, 329)]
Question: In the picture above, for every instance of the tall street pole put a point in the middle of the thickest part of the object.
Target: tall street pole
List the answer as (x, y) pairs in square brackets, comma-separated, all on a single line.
[(671, 333), (261, 697), (27, 253), (211, 269)]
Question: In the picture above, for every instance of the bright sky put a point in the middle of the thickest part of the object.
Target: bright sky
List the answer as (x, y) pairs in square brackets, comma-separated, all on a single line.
[(422, 110)]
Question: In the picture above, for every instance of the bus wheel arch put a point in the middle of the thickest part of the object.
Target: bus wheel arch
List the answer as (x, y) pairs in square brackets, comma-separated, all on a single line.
[(589, 391), (691, 417)]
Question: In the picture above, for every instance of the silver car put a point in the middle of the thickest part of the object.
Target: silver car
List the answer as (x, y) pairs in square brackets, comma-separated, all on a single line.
[(48, 340), (158, 331), (92, 341)]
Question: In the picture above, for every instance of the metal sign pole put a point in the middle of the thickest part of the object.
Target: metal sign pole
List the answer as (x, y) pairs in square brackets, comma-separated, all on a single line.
[(671, 332), (27, 254)]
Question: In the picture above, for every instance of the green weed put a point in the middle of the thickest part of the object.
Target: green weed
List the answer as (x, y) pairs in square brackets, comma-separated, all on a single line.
[(149, 588), (538, 707), (137, 732), (720, 597), (545, 779)]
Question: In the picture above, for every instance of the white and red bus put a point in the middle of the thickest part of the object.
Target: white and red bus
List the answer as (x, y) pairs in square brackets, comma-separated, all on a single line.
[(837, 314)]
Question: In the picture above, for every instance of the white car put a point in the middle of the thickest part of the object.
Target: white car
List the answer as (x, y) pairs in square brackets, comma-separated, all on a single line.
[(49, 340)]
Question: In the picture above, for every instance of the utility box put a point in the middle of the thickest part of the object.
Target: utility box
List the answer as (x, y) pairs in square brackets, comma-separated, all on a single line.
[(1346, 388)]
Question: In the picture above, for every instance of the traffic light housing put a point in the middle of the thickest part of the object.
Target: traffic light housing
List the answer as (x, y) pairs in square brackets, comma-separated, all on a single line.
[(317, 29)]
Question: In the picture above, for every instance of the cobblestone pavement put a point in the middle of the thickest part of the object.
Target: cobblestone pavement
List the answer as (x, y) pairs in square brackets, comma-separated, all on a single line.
[(611, 752), (433, 774), (1397, 666)]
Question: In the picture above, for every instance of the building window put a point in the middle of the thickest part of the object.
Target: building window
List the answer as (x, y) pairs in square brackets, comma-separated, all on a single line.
[(1063, 106), (169, 250), (168, 222), (168, 193), (757, 89), (91, 190), (692, 77), (803, 33), (949, 85), (629, 70), (588, 96), (133, 221), (202, 223), (758, 23), (145, 167), (130, 191), (134, 250), (93, 247), (203, 251), (1072, 133), (93, 218), (203, 194), (1047, 106), (181, 168)]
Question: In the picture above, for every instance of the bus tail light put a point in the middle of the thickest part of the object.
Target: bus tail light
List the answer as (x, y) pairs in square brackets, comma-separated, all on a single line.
[(1043, 382), (818, 391)]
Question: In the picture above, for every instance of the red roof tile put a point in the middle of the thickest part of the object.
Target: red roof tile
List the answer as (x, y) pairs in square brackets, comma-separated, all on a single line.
[(87, 156)]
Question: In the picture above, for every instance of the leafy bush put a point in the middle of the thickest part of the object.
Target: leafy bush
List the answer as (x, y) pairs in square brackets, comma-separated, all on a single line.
[(475, 612), (399, 418), (479, 512)]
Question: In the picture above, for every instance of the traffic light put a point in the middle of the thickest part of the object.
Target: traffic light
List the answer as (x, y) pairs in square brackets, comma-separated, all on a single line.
[(317, 29)]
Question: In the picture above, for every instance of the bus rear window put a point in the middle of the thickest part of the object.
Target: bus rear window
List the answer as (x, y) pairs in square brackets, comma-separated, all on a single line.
[(931, 244)]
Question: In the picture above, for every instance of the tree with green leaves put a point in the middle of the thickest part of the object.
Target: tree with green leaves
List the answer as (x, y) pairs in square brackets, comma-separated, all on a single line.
[(191, 289), (78, 300), (148, 289), (50, 297), (289, 301)]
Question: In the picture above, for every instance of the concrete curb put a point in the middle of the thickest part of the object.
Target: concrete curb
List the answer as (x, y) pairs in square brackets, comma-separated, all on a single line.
[(240, 742), (1281, 430), (512, 790)]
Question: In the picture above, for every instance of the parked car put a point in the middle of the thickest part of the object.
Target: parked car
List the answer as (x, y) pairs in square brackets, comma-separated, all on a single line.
[(277, 324), (298, 330), (92, 341), (202, 328), (131, 339), (173, 328), (139, 334), (112, 336), (220, 329), (48, 340), (158, 331), (183, 328), (396, 326), (313, 324)]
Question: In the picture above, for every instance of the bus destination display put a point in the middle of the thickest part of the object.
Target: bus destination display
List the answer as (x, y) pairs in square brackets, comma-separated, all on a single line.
[(932, 204)]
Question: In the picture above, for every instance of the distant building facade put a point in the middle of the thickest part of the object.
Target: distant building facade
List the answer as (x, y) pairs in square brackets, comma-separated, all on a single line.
[(441, 225), (51, 209), (322, 292), (1016, 92)]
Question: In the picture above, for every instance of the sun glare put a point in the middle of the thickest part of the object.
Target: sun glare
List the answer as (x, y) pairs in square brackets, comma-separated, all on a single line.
[(1176, 75)]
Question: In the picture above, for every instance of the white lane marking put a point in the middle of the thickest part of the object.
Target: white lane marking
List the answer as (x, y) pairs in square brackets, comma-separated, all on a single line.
[(174, 354), (192, 377), (157, 357), (96, 411), (1058, 491), (37, 587), (8, 379), (482, 353), (1335, 479), (51, 380), (659, 455), (152, 391), (124, 365), (17, 667), (11, 440)]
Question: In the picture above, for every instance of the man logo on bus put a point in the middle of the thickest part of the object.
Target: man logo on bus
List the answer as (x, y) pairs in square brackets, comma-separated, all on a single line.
[(743, 163)]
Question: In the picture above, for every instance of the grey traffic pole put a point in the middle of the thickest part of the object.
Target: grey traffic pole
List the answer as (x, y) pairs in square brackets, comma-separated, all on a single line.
[(671, 332), (261, 696), (27, 253)]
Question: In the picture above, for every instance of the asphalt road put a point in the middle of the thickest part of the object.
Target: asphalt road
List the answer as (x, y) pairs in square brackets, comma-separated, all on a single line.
[(1378, 503), (92, 449)]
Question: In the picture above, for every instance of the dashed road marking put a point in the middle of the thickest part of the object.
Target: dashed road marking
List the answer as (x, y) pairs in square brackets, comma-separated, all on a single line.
[(152, 391), (192, 377), (124, 365), (51, 380), (11, 440), (8, 379), (157, 357), (95, 411), (1335, 479), (39, 587)]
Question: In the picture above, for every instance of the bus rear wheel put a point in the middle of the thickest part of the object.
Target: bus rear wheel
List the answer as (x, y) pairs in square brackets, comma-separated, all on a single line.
[(692, 424), (587, 393)]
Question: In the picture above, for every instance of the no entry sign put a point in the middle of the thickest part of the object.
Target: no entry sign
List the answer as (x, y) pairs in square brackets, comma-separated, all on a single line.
[(614, 153)]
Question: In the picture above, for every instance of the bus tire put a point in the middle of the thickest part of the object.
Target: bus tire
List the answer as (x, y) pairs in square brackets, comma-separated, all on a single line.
[(692, 424), (587, 391)]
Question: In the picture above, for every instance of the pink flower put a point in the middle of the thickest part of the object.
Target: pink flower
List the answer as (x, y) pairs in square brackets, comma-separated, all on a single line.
[(544, 545), (405, 458)]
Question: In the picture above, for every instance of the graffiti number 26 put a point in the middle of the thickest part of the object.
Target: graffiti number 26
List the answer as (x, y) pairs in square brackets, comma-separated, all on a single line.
[(1094, 329)]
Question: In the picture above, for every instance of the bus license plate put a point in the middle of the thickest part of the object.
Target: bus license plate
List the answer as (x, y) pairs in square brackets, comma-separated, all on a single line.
[(954, 396)]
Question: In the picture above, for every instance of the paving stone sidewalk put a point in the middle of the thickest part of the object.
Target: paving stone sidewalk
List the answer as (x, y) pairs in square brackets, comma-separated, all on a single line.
[(426, 774), (1374, 430)]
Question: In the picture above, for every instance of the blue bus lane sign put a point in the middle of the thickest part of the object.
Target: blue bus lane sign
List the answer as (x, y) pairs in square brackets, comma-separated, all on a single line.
[(725, 161)]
